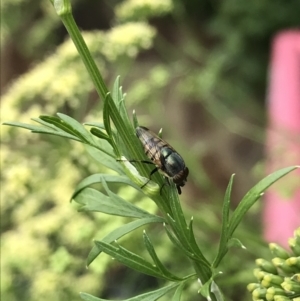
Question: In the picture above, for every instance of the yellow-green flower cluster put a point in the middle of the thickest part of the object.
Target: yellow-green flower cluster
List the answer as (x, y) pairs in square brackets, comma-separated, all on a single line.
[(278, 279), (142, 9), (62, 77), (127, 40)]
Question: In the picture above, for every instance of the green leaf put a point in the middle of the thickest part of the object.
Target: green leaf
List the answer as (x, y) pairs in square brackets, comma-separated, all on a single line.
[(179, 245), (154, 295), (106, 118), (134, 118), (77, 128), (253, 195), (120, 200), (42, 130), (99, 125), (125, 132), (178, 224), (66, 124), (178, 235), (93, 200), (234, 242), (205, 289), (59, 124), (119, 99), (160, 133), (216, 291), (99, 177), (224, 232), (51, 124), (121, 231), (105, 158), (181, 230), (98, 133), (130, 259), (182, 244), (151, 296), (178, 292), (88, 297), (116, 91), (156, 260), (194, 245)]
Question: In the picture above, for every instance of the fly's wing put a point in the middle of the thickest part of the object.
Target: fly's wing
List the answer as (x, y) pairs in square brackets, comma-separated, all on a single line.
[(152, 144)]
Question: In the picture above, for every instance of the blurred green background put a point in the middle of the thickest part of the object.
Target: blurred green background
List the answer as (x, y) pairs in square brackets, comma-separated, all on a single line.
[(196, 68)]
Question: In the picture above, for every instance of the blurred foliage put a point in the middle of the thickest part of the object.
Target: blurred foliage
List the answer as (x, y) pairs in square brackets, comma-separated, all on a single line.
[(210, 52), (38, 19)]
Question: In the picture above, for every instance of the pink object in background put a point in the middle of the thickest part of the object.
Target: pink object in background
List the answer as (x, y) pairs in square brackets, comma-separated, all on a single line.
[(281, 214)]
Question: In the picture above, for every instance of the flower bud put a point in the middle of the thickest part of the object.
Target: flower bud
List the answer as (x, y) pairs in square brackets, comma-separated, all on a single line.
[(259, 293), (278, 251), (281, 264), (266, 266), (271, 279), (294, 262), (274, 291), (291, 286), (252, 286), (296, 277), (281, 298), (294, 245)]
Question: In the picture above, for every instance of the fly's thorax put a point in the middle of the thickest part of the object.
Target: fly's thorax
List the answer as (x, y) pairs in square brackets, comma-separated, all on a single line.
[(172, 162)]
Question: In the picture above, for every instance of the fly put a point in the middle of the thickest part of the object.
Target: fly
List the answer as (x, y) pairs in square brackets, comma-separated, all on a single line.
[(167, 161)]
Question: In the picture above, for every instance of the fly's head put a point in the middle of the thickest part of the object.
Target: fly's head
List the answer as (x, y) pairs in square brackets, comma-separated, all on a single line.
[(180, 179)]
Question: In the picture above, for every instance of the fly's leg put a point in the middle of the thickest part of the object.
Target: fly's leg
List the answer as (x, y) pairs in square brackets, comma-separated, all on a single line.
[(167, 182), (152, 172), (146, 162)]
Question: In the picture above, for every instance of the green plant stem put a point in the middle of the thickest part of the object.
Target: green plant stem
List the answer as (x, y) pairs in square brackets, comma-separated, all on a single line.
[(64, 10), (204, 275), (124, 128)]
